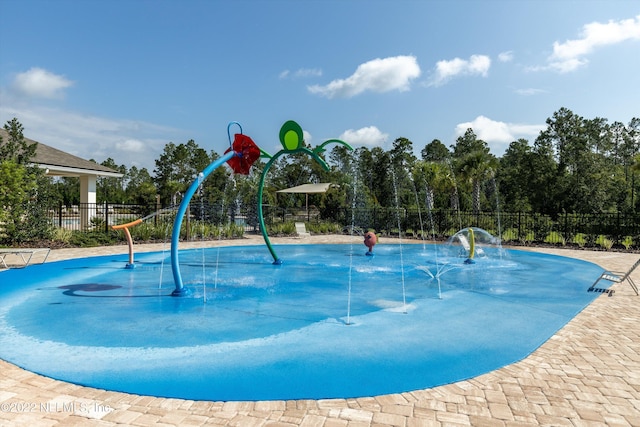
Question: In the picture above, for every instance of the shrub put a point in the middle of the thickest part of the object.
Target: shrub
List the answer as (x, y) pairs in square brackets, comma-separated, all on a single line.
[(579, 239), (96, 223), (510, 235), (141, 232), (528, 238), (450, 232), (92, 239), (238, 230), (232, 231), (627, 242), (554, 238), (351, 230), (161, 232), (604, 242), (62, 235), (282, 229), (423, 234)]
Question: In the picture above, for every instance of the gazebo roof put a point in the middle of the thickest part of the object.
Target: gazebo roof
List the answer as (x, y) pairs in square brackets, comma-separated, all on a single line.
[(59, 163)]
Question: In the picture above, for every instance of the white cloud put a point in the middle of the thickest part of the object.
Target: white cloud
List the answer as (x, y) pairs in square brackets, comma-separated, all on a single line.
[(498, 134), (308, 72), (40, 83), (570, 55), (529, 91), (378, 75), (128, 142), (301, 73), (307, 137), (446, 70), (369, 136), (505, 56), (131, 146)]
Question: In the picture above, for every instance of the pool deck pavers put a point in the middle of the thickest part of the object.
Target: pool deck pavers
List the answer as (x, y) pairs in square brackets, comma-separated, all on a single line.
[(587, 374)]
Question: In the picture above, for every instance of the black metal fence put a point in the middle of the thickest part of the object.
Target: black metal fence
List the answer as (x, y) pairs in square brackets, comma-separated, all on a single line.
[(517, 227), (101, 216), (98, 216)]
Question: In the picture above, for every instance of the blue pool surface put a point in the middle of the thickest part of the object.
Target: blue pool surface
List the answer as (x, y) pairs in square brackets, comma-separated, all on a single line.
[(329, 322)]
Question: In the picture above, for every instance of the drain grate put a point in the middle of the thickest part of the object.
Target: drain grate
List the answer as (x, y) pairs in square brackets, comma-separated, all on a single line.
[(602, 291)]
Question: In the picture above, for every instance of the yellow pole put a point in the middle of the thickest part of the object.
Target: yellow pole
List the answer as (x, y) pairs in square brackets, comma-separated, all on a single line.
[(472, 243)]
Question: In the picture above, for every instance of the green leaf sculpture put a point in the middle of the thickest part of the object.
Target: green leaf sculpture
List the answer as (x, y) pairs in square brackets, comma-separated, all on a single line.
[(292, 140)]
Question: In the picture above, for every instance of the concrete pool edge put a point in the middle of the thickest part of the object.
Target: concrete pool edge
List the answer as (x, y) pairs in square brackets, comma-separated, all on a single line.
[(587, 371)]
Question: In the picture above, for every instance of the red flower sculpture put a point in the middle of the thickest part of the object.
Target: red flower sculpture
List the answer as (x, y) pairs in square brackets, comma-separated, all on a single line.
[(247, 152)]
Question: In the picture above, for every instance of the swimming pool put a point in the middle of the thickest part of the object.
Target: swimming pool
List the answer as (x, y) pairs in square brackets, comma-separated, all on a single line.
[(329, 322)]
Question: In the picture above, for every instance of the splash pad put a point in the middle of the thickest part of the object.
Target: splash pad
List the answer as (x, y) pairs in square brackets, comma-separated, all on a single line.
[(330, 323), (271, 332)]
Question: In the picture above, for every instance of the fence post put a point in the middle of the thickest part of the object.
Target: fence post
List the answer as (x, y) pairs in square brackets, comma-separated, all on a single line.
[(155, 218), (106, 217), (60, 214)]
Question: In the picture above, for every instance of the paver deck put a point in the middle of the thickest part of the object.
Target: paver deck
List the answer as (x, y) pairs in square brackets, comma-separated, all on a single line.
[(587, 374)]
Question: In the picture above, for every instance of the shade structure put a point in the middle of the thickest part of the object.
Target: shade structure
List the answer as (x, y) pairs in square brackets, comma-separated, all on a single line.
[(308, 189)]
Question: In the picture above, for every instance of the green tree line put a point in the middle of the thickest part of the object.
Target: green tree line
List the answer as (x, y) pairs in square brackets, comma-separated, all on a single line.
[(574, 165)]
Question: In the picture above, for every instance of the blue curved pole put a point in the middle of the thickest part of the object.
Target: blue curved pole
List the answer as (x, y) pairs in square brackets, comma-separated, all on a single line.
[(180, 290)]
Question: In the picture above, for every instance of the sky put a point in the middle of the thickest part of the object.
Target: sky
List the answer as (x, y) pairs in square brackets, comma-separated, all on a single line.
[(121, 79)]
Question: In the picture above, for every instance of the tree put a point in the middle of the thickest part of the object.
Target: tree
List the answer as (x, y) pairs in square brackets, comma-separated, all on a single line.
[(13, 194), (365, 170), (542, 185), (220, 191), (476, 168), (343, 174), (514, 175), (176, 169), (140, 187), (67, 190), (381, 180), (111, 189), (23, 193), (435, 151), (473, 164), (435, 181), (16, 147), (583, 173), (467, 144), (402, 161), (343, 171)]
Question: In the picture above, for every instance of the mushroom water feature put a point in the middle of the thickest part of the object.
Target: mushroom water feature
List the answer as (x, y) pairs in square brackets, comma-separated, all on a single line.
[(370, 240)]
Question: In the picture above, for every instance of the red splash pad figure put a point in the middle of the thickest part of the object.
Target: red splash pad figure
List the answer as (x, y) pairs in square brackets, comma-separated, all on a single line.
[(370, 241), (247, 152)]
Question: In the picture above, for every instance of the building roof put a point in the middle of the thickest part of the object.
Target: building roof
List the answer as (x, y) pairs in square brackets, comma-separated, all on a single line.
[(59, 163)]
